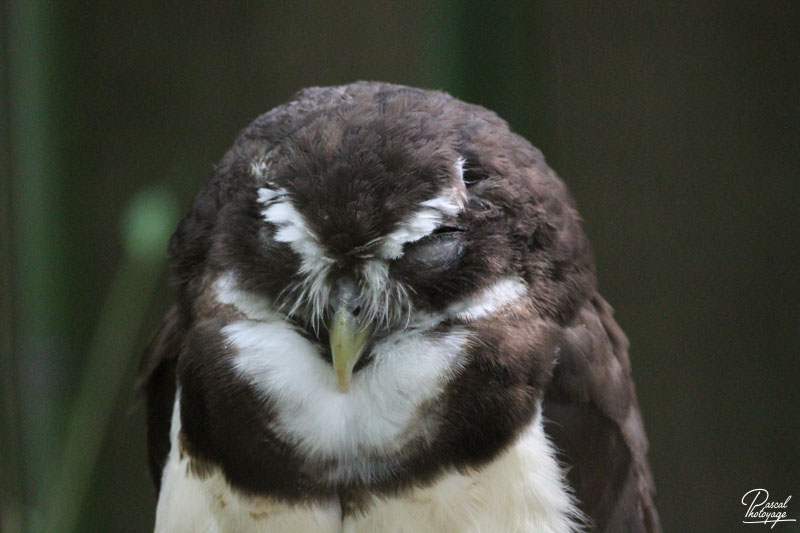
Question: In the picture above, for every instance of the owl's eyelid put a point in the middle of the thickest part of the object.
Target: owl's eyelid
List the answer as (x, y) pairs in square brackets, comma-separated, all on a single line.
[(446, 231), (442, 232), (448, 228), (451, 241)]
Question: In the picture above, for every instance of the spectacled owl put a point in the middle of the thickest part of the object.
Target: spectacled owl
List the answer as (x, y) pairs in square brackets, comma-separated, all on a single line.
[(387, 320)]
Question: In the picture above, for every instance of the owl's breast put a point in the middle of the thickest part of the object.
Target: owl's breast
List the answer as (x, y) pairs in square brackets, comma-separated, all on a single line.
[(391, 401)]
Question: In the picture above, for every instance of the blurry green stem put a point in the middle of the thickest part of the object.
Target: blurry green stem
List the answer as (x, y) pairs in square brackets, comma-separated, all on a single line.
[(30, 35), (110, 353), (108, 359)]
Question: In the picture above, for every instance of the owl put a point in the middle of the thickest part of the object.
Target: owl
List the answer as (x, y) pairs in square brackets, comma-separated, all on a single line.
[(387, 320)]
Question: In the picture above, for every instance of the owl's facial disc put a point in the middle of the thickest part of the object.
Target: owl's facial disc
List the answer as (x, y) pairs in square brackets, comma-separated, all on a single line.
[(363, 239)]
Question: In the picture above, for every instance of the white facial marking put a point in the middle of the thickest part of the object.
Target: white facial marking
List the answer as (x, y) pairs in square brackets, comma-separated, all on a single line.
[(461, 188), (445, 203), (252, 306), (489, 300), (259, 169), (460, 168), (422, 222), (374, 417), (384, 300), (291, 228), (313, 292)]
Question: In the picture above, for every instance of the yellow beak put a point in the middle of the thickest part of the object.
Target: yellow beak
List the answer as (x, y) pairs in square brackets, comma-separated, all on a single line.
[(348, 339)]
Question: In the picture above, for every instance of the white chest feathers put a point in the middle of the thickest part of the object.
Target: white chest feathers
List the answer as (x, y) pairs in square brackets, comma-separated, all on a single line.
[(521, 491), (376, 417)]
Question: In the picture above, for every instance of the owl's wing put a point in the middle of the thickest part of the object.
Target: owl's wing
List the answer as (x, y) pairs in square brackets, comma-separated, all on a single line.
[(157, 382), (592, 416)]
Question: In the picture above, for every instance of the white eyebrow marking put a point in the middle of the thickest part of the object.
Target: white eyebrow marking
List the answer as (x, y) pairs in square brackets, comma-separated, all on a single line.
[(422, 222), (291, 228)]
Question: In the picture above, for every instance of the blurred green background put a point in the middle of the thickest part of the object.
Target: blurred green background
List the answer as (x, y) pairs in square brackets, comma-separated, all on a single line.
[(676, 125)]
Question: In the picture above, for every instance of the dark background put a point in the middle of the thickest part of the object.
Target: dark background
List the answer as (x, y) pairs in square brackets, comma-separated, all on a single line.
[(674, 124)]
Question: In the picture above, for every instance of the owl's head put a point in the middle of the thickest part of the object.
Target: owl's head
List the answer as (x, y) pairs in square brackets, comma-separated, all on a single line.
[(375, 274)]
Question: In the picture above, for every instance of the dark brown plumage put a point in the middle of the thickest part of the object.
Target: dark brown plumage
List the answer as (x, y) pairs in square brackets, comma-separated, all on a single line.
[(594, 421), (357, 160)]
